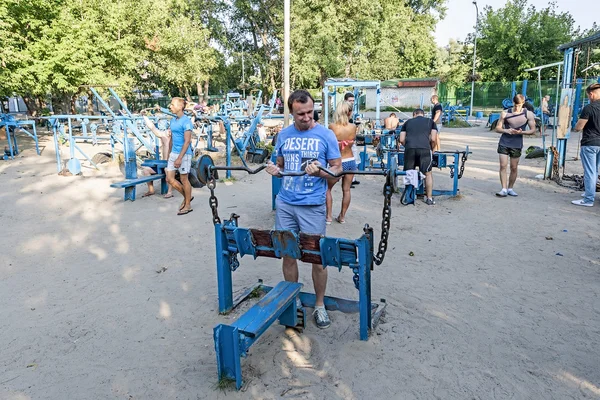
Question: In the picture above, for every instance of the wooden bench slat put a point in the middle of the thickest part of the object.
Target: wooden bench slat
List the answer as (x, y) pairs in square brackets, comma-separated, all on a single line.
[(260, 316), (137, 181)]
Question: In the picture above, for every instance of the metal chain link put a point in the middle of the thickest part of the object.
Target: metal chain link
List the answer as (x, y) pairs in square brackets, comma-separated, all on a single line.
[(386, 216), (233, 261), (213, 202), (462, 165), (577, 179)]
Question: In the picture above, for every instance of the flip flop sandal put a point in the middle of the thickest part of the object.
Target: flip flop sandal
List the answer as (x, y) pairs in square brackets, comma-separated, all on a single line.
[(185, 212), (181, 207), (168, 196), (328, 222), (340, 221), (147, 194)]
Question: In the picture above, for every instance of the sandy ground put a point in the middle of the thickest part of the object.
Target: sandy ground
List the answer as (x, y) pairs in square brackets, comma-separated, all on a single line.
[(487, 308)]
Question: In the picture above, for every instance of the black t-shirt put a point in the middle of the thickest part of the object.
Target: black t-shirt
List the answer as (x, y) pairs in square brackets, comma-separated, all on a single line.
[(591, 130), (437, 107), (417, 131)]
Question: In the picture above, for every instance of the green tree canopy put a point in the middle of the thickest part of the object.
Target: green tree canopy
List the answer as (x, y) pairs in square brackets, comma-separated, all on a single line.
[(517, 36)]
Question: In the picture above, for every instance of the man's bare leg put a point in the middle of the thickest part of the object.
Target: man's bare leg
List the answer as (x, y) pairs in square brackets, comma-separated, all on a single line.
[(503, 164), (429, 185), (514, 169), (319, 277), (187, 193), (290, 269), (174, 182)]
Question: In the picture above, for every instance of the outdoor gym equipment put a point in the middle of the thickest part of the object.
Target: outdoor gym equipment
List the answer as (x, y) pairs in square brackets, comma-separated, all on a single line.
[(330, 91), (11, 126), (232, 341)]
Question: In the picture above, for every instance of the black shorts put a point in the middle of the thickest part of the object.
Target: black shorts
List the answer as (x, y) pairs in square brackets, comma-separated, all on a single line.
[(417, 158), (509, 151)]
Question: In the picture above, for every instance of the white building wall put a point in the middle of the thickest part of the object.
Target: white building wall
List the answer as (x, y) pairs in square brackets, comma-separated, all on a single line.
[(400, 97)]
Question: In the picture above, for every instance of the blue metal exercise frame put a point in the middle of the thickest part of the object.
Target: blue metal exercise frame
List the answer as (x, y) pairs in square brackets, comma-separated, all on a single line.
[(232, 240)]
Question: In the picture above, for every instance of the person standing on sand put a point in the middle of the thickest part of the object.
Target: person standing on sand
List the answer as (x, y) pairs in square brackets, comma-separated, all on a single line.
[(589, 122), (345, 133), (513, 124), (180, 156), (304, 146)]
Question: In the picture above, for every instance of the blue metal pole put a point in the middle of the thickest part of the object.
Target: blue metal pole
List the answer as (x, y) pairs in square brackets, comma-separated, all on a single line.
[(576, 102), (228, 146), (364, 296), (377, 105), (455, 183), (224, 278)]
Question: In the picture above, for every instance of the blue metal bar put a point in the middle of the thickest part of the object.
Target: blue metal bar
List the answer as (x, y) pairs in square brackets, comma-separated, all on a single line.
[(365, 258), (118, 99), (224, 276), (227, 146), (101, 100)]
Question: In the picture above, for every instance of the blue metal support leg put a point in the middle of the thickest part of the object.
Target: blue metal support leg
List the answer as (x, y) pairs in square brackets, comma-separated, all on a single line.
[(224, 276)]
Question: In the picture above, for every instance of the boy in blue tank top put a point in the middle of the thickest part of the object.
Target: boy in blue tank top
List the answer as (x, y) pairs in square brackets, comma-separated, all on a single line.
[(304, 146)]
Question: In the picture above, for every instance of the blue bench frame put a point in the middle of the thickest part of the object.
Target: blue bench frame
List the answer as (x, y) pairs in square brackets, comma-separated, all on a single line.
[(233, 341), (132, 180)]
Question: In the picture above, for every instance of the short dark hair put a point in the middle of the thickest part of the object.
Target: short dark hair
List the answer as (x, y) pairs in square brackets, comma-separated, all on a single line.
[(418, 111), (300, 96), (348, 95), (592, 87), (392, 114)]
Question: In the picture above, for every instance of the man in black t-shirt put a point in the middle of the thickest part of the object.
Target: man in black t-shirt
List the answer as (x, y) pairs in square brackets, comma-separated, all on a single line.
[(589, 122), (436, 116), (419, 137)]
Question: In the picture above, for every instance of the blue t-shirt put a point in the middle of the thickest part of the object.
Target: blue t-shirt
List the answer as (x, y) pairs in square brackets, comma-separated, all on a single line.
[(178, 126), (299, 148)]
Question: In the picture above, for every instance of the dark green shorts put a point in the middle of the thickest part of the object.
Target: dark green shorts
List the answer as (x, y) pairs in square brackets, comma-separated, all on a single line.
[(509, 151)]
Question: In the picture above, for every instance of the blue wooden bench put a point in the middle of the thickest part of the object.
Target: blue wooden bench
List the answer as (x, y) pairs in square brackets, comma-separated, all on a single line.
[(130, 184), (233, 341)]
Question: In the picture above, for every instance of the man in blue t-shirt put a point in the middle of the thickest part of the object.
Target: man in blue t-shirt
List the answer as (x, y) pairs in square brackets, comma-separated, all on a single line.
[(304, 146), (180, 157)]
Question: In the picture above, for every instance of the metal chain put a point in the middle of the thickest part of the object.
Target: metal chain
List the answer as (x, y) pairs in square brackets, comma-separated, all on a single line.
[(233, 261), (213, 202), (577, 179), (386, 216), (462, 165)]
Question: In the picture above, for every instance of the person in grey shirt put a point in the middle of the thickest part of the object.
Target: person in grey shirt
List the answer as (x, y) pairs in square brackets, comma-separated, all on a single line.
[(514, 123)]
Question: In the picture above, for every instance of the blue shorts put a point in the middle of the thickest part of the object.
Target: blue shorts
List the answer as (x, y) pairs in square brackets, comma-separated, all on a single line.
[(349, 164), (305, 219)]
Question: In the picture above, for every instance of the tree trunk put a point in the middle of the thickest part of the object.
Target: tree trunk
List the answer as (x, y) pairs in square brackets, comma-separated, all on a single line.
[(90, 104), (206, 89), (32, 107), (199, 90), (72, 107), (187, 94)]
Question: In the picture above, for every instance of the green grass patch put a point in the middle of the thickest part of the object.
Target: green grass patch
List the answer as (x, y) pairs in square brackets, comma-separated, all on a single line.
[(225, 384), (457, 123)]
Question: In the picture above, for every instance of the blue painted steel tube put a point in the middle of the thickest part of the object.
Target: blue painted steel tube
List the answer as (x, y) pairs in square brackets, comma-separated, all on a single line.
[(224, 278), (456, 170), (227, 146), (576, 102), (56, 147), (364, 273)]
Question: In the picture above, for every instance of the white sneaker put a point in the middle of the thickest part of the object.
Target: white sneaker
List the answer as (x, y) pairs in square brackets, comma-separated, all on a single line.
[(582, 203), (511, 192), (502, 193)]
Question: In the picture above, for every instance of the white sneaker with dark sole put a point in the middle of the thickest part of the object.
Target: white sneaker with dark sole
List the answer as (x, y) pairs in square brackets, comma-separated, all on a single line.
[(321, 318)]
